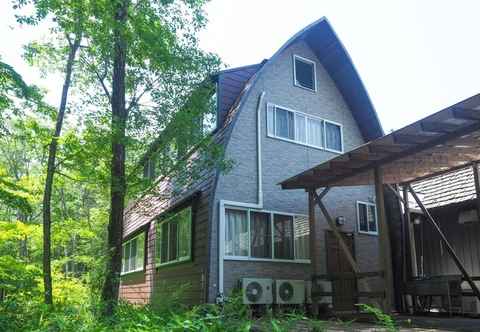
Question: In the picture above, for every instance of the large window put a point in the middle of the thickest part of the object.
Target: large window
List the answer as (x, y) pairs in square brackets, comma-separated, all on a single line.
[(252, 234), (367, 218), (304, 73), (174, 238), (304, 129), (133, 254)]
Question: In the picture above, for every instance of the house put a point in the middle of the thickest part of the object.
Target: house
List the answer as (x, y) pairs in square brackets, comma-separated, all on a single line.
[(304, 105)]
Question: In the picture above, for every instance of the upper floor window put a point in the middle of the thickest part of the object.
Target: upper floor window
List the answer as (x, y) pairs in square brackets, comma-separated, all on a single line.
[(174, 238), (367, 218), (256, 234), (133, 254), (304, 73), (305, 129)]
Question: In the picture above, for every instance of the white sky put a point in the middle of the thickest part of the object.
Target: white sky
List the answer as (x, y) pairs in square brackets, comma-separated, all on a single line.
[(414, 57)]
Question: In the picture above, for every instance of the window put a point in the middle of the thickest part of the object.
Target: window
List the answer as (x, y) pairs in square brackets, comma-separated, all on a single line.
[(304, 129), (265, 235), (333, 136), (367, 218), (174, 238), (133, 254), (304, 73)]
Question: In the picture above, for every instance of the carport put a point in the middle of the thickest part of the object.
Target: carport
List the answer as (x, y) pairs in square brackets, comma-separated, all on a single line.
[(440, 143)]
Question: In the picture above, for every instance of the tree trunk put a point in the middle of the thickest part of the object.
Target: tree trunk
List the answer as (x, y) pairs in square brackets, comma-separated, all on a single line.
[(117, 169), (52, 153)]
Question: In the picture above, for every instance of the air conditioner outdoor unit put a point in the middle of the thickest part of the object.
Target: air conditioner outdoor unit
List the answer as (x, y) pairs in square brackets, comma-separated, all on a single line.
[(289, 291), (321, 286), (257, 291)]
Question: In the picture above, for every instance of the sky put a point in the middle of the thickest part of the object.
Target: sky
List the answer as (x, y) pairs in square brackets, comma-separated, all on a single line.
[(414, 57)]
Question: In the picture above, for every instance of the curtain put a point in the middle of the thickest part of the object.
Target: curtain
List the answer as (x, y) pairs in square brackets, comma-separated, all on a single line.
[(260, 235), (283, 236), (362, 217), (270, 120), (333, 136), (236, 233), (300, 130), (284, 123), (315, 132), (302, 238), (140, 254), (133, 254), (184, 233), (372, 219)]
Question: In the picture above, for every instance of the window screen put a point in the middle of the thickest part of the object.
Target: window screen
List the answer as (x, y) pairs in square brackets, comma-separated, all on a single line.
[(367, 218), (333, 136), (260, 235), (283, 236)]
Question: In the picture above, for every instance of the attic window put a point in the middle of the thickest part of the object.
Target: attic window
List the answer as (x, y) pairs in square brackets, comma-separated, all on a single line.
[(304, 73)]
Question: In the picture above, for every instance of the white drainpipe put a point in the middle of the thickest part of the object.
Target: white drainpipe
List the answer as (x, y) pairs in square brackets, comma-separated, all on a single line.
[(223, 203)]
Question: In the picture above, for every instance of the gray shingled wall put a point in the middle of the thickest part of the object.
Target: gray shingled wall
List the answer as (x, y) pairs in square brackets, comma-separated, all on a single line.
[(283, 159)]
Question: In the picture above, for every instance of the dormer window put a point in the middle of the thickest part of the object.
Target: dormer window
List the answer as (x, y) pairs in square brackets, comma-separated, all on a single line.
[(304, 73)]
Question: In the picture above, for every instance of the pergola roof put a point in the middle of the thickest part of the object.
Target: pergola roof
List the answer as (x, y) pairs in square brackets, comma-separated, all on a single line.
[(442, 142)]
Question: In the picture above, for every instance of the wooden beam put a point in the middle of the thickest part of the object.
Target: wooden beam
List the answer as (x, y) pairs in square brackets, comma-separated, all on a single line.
[(385, 247), (313, 240), (476, 179), (438, 127), (466, 113), (411, 139), (448, 246), (410, 236)]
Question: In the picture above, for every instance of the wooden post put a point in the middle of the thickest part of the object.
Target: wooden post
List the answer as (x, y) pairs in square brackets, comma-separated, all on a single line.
[(448, 246), (312, 243), (410, 235), (385, 248), (477, 185)]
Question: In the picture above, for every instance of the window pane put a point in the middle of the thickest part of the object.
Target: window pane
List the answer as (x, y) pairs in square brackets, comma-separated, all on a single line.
[(133, 253), (158, 243), (300, 130), (124, 258), (302, 238), (304, 74), (362, 217), (260, 235), (172, 241), (315, 132), (372, 220), (283, 236), (184, 232), (284, 123), (236, 233), (140, 251), (270, 120), (333, 136), (164, 249)]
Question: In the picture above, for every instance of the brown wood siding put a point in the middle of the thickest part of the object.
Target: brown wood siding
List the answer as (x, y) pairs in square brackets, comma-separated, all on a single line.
[(136, 287), (185, 281), (463, 238)]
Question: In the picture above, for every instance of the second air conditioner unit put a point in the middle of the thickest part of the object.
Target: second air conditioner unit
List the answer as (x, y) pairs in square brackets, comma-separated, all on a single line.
[(257, 290), (289, 291), (321, 286)]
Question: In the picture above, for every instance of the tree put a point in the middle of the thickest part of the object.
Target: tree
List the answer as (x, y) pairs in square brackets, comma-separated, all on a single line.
[(145, 57), (69, 17)]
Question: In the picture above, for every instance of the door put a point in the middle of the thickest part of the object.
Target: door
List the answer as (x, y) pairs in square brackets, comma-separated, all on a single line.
[(344, 289)]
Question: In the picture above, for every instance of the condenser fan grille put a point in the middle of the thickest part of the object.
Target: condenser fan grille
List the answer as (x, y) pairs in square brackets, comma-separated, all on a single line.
[(254, 291), (286, 291)]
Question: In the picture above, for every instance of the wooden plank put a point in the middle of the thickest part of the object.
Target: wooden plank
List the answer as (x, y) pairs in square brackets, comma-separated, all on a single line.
[(438, 127), (385, 247)]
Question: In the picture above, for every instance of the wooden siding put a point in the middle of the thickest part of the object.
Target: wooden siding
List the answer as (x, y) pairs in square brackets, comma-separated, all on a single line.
[(463, 237), (185, 281)]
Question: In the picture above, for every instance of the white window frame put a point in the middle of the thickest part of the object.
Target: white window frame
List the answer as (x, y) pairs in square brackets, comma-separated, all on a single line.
[(358, 218), (271, 213), (307, 116), (142, 268), (295, 81), (178, 259)]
